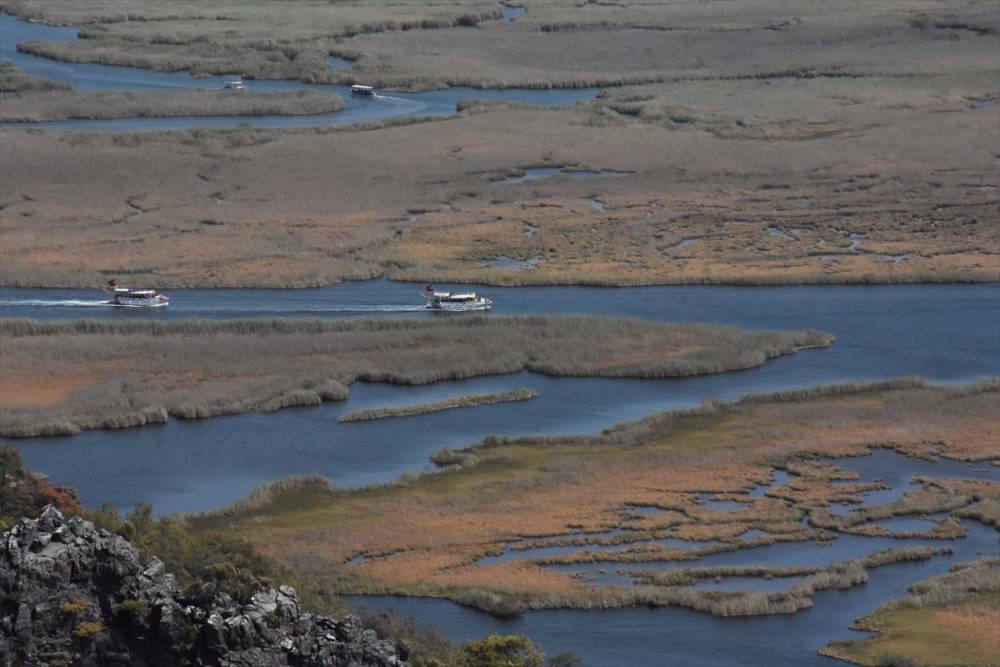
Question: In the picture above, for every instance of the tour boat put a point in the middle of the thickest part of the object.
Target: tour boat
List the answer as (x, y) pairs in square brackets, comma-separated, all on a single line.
[(455, 302), (128, 296), (235, 84), (362, 90)]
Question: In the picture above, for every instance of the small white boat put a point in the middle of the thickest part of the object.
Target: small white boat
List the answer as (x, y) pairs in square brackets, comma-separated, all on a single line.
[(455, 302), (141, 298), (234, 84), (362, 90)]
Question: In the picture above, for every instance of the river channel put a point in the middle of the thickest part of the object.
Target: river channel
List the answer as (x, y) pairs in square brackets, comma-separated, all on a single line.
[(383, 106)]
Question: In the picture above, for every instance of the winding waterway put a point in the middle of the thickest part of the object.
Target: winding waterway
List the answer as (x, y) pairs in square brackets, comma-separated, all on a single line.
[(93, 77), (948, 333), (945, 333)]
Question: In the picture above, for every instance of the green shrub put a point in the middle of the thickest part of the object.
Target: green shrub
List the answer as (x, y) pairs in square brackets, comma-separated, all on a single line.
[(896, 660), (136, 609), (501, 651)]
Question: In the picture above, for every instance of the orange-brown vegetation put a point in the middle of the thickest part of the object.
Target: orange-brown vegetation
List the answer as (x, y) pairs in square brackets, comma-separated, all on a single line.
[(425, 534), (247, 207)]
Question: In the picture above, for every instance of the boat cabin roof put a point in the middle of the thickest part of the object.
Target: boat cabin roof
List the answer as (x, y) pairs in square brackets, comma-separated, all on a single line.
[(359, 87), (448, 296), (125, 291)]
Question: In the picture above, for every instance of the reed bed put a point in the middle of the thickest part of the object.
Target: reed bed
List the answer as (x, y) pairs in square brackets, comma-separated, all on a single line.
[(444, 404), (62, 105), (285, 215), (267, 495), (14, 80), (107, 374)]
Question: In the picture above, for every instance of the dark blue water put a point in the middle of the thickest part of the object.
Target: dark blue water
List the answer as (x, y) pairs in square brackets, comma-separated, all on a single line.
[(896, 471), (90, 77), (748, 583), (945, 333), (671, 636)]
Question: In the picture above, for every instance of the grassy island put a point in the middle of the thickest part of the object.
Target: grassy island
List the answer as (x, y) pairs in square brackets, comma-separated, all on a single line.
[(437, 406)]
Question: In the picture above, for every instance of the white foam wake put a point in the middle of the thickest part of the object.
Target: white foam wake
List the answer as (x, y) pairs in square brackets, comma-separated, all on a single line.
[(360, 308), (70, 303)]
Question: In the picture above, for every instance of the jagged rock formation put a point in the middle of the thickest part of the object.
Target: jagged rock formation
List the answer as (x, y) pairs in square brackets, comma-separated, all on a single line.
[(74, 594)]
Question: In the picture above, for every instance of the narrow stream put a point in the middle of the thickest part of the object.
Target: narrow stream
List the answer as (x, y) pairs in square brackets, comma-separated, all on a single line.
[(383, 106)]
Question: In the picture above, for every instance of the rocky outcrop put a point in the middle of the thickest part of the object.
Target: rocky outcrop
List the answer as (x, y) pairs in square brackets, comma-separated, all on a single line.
[(74, 594)]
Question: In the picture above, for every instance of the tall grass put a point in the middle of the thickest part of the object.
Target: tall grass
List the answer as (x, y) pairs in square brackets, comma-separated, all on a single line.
[(437, 406), (144, 104), (198, 368), (265, 495), (14, 80)]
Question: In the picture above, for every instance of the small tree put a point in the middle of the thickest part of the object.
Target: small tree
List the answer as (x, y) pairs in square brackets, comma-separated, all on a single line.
[(501, 651)]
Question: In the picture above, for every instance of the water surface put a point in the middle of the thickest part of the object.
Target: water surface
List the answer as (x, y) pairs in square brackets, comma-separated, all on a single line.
[(674, 636)]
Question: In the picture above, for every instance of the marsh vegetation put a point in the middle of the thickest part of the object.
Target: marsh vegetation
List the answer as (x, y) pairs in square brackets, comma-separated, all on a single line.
[(61, 377), (437, 406), (777, 190), (259, 39), (427, 534), (62, 105)]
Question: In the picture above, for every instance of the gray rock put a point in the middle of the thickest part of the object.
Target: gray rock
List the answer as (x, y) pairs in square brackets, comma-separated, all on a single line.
[(64, 588)]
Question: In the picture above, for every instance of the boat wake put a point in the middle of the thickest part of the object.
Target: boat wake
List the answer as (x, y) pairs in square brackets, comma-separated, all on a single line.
[(65, 303), (359, 308)]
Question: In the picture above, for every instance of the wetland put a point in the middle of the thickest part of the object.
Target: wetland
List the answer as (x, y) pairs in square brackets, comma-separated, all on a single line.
[(738, 402)]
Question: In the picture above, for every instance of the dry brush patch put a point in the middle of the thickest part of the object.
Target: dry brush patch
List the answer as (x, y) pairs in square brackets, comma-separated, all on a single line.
[(135, 372), (704, 201), (861, 160), (642, 43), (425, 534)]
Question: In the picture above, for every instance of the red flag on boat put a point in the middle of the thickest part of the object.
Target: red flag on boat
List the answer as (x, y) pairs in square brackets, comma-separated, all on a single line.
[(429, 288), (112, 283)]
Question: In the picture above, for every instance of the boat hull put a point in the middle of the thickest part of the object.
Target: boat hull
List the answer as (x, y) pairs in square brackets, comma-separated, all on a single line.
[(125, 302), (459, 307)]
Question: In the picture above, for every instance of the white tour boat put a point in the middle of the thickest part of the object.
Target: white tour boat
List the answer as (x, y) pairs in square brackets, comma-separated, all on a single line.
[(455, 302), (362, 90), (235, 84), (128, 296)]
